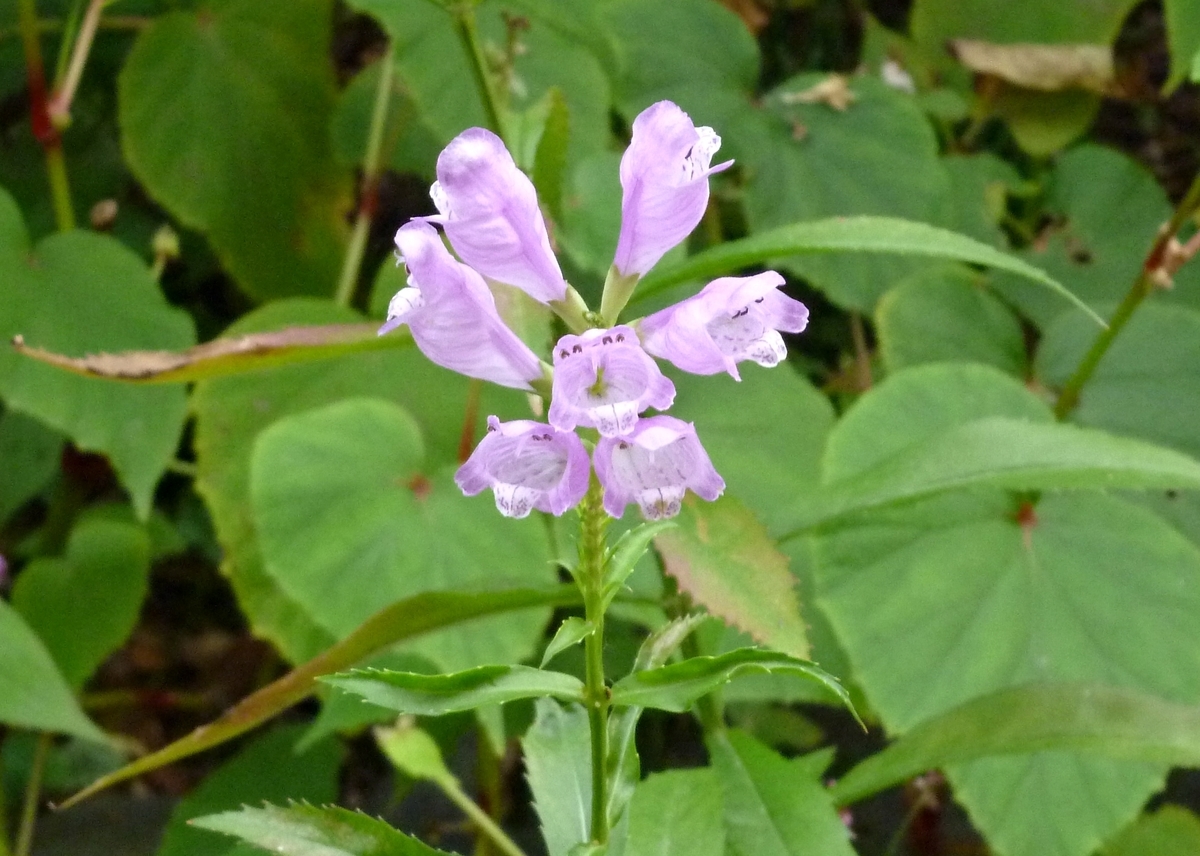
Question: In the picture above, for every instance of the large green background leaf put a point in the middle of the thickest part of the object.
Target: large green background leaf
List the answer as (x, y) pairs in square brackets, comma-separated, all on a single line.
[(77, 293), (344, 504), (225, 116)]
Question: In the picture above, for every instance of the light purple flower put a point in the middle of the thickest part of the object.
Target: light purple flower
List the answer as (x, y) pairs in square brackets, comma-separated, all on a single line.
[(452, 314), (527, 465), (653, 466), (664, 176), (733, 318), (490, 212), (603, 379)]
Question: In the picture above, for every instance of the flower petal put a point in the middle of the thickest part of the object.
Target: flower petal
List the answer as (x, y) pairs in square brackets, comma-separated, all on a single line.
[(664, 178), (527, 465), (452, 314), (732, 319), (653, 466), (490, 212), (603, 379)]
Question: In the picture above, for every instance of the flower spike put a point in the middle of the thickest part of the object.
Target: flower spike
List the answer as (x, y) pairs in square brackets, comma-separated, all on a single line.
[(654, 466), (603, 379), (732, 319), (527, 465), (452, 314), (664, 179), (490, 212)]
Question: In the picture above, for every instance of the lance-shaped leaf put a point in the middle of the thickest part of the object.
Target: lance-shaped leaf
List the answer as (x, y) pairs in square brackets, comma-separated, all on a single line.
[(675, 687), (1112, 721), (433, 695), (225, 356), (627, 552), (559, 770), (848, 234), (572, 631), (305, 830), (1004, 452), (406, 619)]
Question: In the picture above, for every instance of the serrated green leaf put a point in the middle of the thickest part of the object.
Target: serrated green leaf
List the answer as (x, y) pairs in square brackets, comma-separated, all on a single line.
[(849, 234), (675, 687), (722, 557), (270, 197), (404, 620), (110, 562), (627, 552), (1118, 723), (343, 497), (268, 769), (572, 631), (42, 288), (305, 830), (677, 813), (775, 807), (433, 695), (557, 754), (32, 693), (1006, 453)]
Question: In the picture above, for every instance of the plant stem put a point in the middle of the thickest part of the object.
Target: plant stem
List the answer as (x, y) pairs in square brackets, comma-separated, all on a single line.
[(592, 550), (33, 790), (1143, 287), (39, 115), (369, 193), (480, 818), (70, 26), (4, 848), (60, 104), (468, 34)]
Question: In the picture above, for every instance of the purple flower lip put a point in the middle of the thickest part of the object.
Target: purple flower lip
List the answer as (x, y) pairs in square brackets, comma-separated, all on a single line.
[(664, 179), (527, 465), (490, 212), (732, 319), (654, 465), (453, 316), (603, 379)]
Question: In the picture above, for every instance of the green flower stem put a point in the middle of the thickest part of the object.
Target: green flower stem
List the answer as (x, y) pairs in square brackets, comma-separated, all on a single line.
[(369, 193), (479, 817), (5, 850), (1143, 287), (590, 576), (468, 34), (617, 291), (43, 128), (33, 791), (66, 84)]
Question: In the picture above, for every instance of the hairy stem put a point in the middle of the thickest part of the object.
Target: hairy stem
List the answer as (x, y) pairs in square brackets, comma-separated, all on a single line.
[(33, 791), (369, 192), (39, 115), (592, 549), (1143, 287)]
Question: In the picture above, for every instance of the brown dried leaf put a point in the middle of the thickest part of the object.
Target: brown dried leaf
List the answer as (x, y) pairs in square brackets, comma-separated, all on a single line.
[(252, 352), (834, 91), (1047, 68)]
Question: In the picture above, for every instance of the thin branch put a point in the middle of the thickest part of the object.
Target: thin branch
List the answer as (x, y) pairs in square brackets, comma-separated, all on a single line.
[(33, 792), (60, 104)]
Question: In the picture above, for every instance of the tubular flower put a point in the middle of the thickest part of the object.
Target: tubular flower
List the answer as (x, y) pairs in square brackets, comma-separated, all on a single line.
[(664, 179), (452, 314), (490, 212), (603, 379), (732, 319), (653, 466), (527, 465)]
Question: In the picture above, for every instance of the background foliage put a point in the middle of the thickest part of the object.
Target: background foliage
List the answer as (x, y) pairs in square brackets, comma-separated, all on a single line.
[(1005, 576)]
